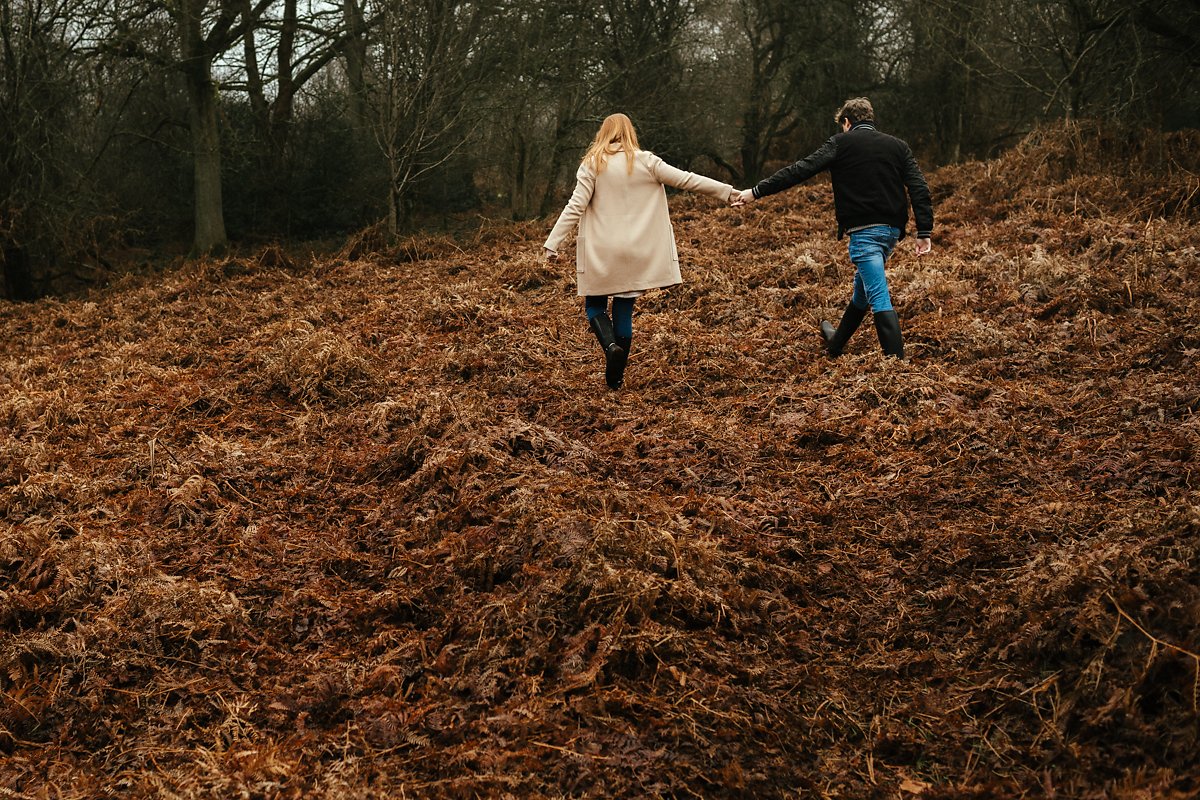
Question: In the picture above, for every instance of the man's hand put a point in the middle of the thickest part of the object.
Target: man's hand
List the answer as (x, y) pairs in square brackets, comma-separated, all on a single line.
[(923, 246), (549, 254), (741, 198)]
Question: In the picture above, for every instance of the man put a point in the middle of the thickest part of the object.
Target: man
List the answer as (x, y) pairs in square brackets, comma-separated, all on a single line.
[(871, 174)]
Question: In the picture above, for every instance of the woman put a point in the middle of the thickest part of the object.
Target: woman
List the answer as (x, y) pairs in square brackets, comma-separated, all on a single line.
[(625, 243)]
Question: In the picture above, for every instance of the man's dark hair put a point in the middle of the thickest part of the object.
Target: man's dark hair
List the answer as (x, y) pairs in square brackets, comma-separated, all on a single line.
[(856, 109)]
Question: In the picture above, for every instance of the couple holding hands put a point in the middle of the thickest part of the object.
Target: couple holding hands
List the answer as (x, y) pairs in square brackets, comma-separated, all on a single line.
[(625, 244)]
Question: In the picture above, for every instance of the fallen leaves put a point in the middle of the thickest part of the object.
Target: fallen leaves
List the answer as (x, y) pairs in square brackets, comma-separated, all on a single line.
[(371, 525)]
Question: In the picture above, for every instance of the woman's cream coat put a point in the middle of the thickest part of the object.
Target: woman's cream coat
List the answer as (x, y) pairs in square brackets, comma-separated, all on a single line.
[(625, 240)]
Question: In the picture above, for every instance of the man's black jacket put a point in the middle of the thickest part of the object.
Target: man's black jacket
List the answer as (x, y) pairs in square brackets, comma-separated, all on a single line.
[(870, 172)]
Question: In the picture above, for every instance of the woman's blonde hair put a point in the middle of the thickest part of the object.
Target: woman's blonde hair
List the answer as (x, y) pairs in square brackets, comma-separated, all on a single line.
[(616, 133)]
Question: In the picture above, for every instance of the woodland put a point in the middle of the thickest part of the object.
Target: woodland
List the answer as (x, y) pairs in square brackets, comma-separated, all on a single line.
[(135, 130), (278, 524)]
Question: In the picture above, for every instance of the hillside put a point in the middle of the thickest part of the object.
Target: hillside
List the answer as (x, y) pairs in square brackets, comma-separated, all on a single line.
[(372, 527)]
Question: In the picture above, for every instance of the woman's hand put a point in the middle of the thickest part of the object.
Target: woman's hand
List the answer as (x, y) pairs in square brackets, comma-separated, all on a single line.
[(549, 254)]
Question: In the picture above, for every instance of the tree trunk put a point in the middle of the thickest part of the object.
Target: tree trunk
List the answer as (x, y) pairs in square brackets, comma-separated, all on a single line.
[(393, 214), (206, 140), (562, 128), (395, 207), (752, 155), (285, 94), (355, 51), (548, 197), (206, 154), (18, 278), (519, 200)]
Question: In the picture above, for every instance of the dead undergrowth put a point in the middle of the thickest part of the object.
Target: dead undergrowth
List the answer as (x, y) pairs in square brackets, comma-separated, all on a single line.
[(372, 527)]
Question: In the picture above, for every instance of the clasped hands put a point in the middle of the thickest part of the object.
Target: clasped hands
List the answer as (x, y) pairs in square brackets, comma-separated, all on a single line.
[(741, 198)]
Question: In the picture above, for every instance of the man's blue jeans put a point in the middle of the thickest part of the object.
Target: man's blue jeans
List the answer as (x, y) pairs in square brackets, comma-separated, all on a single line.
[(869, 250)]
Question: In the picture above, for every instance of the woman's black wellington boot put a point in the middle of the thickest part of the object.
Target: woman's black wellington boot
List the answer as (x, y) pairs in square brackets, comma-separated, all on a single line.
[(614, 356)]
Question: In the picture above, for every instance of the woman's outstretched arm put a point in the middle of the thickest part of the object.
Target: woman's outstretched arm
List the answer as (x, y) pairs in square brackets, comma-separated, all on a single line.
[(689, 181)]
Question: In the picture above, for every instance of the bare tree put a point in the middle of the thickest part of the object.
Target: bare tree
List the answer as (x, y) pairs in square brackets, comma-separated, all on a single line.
[(50, 102), (204, 30), (32, 53), (424, 57), (941, 61), (798, 59), (541, 98), (292, 44), (1059, 52), (642, 50), (301, 45), (773, 89)]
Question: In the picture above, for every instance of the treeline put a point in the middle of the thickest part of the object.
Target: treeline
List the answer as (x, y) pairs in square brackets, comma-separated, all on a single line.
[(127, 122)]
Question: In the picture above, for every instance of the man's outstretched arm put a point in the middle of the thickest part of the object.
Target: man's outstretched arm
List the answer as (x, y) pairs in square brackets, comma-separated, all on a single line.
[(802, 170)]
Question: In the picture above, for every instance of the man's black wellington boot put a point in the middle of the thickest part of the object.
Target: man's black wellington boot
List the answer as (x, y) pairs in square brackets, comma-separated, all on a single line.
[(887, 325), (835, 340)]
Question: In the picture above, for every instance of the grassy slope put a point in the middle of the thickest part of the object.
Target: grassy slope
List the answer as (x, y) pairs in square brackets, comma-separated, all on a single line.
[(372, 527)]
